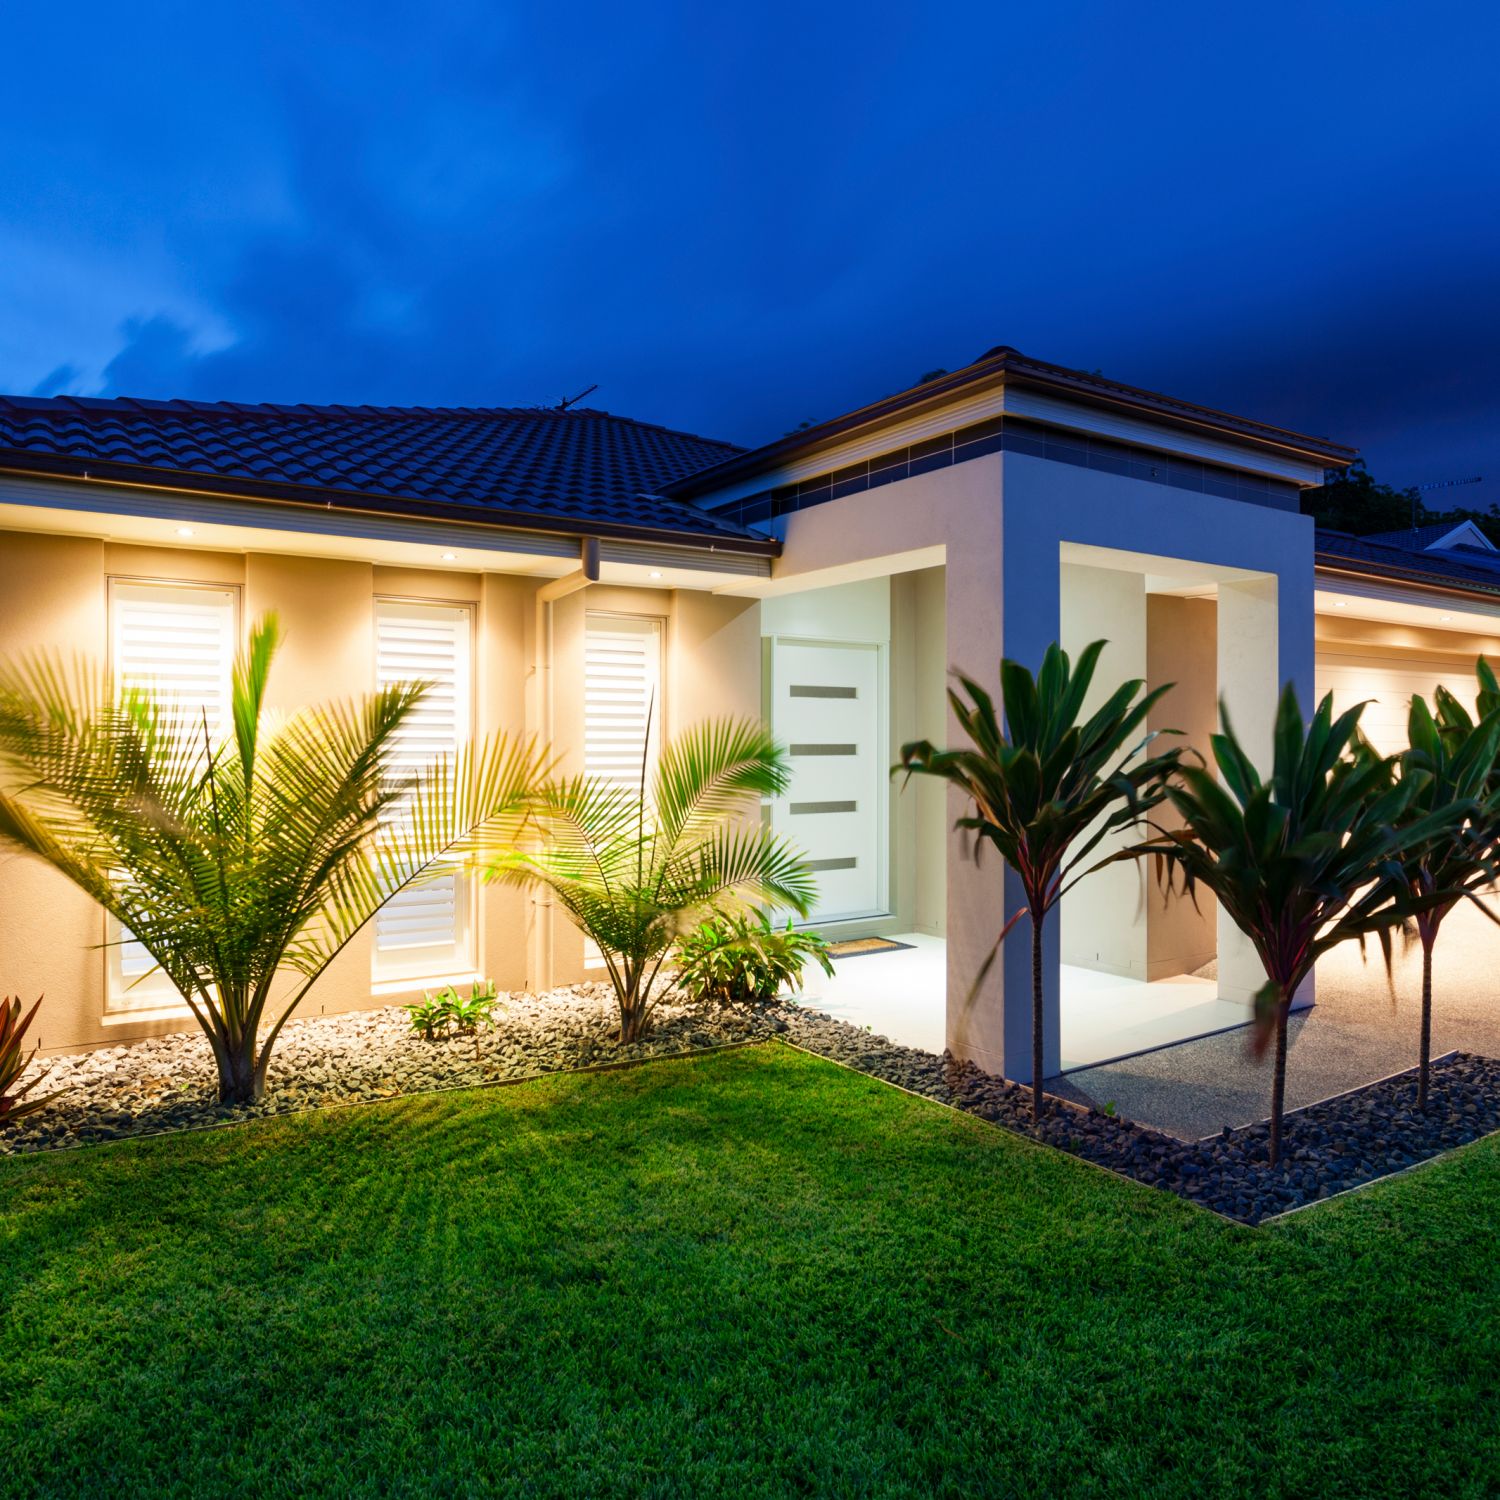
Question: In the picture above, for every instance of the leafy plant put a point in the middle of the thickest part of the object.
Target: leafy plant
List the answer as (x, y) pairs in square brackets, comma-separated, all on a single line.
[(1304, 859), (635, 867), (740, 958), (1049, 787), (429, 1015), (233, 864), (14, 1060), (447, 1010), (1450, 759)]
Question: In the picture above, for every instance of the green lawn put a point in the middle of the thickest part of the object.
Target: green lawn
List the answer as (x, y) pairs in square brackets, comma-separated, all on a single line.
[(753, 1273)]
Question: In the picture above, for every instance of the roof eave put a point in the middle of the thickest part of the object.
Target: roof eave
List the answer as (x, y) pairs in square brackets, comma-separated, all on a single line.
[(1335, 562), (487, 518)]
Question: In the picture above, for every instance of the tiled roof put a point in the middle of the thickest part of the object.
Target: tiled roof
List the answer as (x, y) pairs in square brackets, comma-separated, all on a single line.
[(574, 470), (1418, 538), (1465, 570)]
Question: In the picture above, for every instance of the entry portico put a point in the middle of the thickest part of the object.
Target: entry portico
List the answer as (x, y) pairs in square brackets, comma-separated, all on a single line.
[(1058, 508)]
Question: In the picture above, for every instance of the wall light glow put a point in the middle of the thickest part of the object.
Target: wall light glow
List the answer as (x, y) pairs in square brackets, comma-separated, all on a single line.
[(450, 557), (184, 531)]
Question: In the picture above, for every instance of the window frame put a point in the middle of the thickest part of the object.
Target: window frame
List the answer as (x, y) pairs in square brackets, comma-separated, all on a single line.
[(152, 994)]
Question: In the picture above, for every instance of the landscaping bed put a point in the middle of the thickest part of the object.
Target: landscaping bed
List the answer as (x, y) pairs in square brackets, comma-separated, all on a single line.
[(168, 1084), (1326, 1148)]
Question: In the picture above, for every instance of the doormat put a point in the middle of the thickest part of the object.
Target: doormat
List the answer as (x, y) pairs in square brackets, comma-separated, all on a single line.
[(858, 947)]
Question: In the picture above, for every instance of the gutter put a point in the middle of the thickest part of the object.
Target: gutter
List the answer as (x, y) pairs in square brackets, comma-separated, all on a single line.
[(305, 497)]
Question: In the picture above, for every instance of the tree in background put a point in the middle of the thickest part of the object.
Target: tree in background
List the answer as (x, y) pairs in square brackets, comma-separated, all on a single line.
[(1353, 500)]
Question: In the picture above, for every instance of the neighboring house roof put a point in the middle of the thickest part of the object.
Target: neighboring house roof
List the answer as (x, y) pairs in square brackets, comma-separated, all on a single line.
[(578, 471), (1000, 366), (1438, 536), (1459, 569)]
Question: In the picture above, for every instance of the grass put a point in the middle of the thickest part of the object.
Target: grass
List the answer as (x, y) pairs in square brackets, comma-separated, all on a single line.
[(753, 1273)]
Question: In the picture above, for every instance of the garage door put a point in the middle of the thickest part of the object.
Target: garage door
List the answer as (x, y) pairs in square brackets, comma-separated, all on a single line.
[(1389, 677), (826, 710)]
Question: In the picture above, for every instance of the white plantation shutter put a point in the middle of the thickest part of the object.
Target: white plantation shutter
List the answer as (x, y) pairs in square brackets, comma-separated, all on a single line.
[(425, 932), (622, 687), (621, 695), (177, 641)]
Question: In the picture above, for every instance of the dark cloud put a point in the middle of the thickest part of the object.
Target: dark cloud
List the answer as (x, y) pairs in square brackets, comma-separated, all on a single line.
[(733, 235)]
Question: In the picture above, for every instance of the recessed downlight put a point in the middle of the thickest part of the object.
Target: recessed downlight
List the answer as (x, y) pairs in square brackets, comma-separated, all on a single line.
[(1338, 604), (1445, 618), (184, 531), (450, 557), (655, 573)]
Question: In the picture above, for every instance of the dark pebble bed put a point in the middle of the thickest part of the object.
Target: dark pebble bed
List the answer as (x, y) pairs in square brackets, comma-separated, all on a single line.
[(1326, 1148)]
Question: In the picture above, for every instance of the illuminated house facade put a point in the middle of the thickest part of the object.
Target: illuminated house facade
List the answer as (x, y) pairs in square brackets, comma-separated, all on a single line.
[(557, 572)]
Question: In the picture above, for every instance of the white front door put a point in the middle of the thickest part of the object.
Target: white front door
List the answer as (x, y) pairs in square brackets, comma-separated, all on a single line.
[(826, 709)]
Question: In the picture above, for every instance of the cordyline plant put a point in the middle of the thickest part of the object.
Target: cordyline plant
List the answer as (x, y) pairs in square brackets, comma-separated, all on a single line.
[(1451, 759), (636, 867), (1304, 859), (239, 864), (14, 1060), (1049, 786)]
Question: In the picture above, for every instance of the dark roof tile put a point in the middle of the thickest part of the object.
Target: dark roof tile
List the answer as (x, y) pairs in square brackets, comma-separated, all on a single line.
[(579, 466)]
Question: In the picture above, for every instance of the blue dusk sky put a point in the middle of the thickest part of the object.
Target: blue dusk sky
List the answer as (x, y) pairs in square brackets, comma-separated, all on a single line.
[(734, 219)]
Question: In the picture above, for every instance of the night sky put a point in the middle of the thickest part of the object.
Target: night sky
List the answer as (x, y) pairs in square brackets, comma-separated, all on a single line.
[(738, 219)]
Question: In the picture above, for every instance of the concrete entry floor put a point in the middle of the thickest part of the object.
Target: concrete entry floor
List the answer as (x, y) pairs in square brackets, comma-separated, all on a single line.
[(1355, 1034), (900, 994)]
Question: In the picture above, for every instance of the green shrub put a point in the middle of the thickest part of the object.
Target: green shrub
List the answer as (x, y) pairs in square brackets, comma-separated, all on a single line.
[(447, 1010), (741, 959), (14, 1060)]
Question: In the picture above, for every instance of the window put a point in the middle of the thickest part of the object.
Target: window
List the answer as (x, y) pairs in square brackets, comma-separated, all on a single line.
[(427, 932), (622, 707), (621, 693), (177, 640)]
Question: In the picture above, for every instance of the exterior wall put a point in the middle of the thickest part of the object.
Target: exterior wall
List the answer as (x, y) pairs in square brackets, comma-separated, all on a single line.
[(919, 678), (1182, 648), (1101, 923), (53, 594)]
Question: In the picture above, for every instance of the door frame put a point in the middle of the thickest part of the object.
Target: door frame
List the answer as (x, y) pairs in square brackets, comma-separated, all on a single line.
[(881, 912)]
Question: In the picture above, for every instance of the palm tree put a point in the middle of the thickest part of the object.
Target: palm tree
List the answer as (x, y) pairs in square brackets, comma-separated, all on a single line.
[(1047, 789), (234, 863), (636, 867), (1450, 759), (1304, 859)]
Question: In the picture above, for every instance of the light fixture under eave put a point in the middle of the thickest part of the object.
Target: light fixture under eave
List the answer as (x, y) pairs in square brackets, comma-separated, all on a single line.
[(450, 557), (654, 573), (1338, 604), (184, 531), (1445, 619)]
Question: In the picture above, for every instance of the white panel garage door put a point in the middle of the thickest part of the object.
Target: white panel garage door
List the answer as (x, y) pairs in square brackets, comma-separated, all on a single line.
[(826, 709), (1389, 677)]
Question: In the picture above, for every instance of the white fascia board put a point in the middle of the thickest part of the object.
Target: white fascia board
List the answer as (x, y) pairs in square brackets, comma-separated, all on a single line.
[(27, 504)]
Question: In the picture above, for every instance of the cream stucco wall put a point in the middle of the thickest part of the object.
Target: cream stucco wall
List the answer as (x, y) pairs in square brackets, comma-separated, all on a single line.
[(53, 593)]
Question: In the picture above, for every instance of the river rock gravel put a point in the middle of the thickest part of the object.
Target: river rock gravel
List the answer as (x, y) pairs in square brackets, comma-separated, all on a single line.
[(167, 1084)]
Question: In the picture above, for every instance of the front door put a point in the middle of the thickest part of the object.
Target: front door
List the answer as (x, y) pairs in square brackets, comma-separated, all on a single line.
[(826, 710)]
